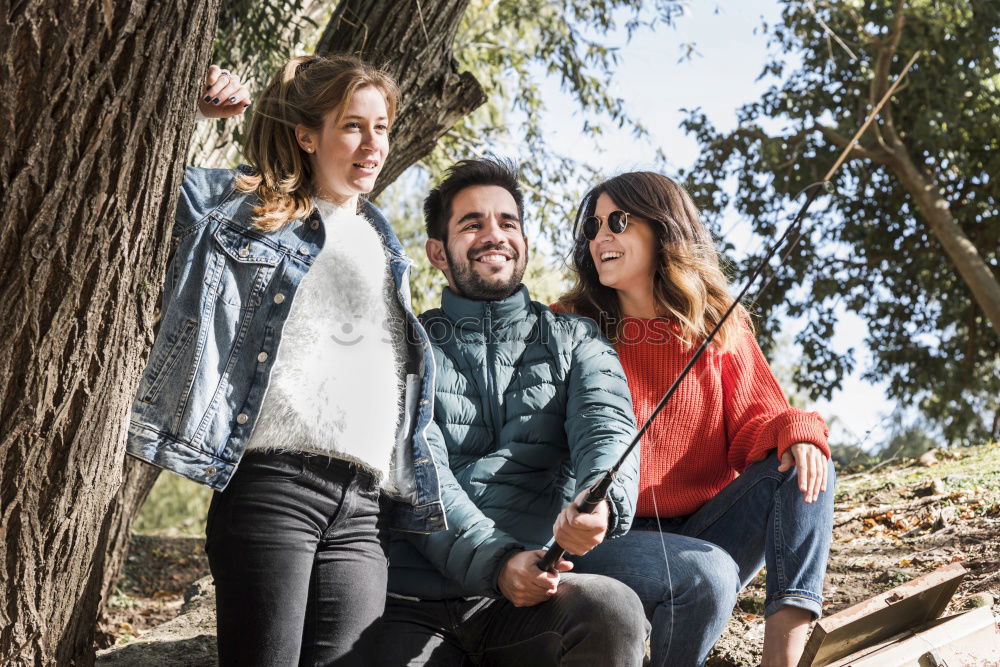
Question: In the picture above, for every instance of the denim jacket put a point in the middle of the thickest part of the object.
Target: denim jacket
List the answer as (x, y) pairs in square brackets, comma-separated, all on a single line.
[(226, 295)]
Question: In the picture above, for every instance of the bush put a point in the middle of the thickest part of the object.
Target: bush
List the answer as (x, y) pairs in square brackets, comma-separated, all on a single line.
[(176, 507)]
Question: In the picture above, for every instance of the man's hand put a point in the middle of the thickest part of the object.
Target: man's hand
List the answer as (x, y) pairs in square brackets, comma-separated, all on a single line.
[(812, 468), (223, 94), (579, 533), (524, 584)]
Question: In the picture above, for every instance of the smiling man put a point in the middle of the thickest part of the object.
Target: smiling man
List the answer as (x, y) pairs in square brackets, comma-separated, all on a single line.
[(531, 407), (485, 256)]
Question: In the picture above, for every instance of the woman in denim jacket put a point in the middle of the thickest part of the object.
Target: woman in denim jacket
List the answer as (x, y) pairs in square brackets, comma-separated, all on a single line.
[(289, 373)]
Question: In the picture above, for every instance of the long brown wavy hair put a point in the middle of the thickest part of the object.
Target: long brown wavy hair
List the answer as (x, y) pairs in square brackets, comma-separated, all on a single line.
[(688, 284), (301, 93)]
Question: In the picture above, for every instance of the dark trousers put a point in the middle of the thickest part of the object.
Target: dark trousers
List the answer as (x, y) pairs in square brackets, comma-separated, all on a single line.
[(591, 620), (298, 553)]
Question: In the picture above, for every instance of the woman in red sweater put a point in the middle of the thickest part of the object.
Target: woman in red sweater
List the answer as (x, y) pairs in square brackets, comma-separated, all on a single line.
[(731, 476)]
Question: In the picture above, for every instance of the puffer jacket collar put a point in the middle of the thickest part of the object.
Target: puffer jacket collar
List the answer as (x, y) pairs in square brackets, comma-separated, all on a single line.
[(484, 316)]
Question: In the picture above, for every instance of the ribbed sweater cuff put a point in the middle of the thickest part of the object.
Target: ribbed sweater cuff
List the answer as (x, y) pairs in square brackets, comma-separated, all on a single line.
[(805, 427)]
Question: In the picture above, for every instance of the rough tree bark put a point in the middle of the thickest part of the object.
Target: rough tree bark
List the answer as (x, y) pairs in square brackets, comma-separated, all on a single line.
[(94, 129)]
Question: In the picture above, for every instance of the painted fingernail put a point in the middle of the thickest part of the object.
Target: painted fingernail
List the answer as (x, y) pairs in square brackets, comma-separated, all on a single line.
[(208, 98), (215, 100), (207, 86), (232, 99)]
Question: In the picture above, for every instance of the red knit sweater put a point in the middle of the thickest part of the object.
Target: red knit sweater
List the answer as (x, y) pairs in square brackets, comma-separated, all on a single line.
[(728, 412)]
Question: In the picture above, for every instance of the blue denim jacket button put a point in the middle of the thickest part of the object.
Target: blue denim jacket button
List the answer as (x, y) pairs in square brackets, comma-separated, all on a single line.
[(262, 357), (210, 471), (278, 298), (314, 224), (242, 418), (304, 250)]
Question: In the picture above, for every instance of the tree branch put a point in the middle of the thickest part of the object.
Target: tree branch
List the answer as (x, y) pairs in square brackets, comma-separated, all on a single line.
[(880, 81), (876, 155)]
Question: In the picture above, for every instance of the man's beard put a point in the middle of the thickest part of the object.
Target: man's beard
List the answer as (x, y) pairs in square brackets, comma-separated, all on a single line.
[(471, 285)]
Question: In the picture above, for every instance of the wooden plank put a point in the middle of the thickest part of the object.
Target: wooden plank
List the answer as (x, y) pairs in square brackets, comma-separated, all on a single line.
[(970, 638), (881, 617)]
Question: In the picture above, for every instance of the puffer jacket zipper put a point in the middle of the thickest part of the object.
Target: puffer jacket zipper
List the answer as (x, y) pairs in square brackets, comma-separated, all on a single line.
[(491, 376)]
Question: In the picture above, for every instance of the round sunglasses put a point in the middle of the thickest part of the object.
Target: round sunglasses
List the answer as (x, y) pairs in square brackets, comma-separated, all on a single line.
[(617, 222)]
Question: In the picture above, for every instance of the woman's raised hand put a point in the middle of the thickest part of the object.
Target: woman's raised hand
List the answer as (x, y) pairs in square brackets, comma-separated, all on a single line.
[(223, 94), (812, 466)]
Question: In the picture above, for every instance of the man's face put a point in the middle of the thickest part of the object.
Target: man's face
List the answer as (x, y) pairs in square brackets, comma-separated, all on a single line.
[(486, 252)]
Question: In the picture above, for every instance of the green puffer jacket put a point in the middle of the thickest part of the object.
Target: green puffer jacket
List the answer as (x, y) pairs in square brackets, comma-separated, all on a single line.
[(531, 407)]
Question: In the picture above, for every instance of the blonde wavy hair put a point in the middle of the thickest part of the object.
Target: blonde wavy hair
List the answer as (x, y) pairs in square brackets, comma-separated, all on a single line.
[(688, 284), (305, 90)]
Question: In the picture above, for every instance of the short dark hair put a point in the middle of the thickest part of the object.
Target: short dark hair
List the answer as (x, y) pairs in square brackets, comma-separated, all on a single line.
[(464, 174)]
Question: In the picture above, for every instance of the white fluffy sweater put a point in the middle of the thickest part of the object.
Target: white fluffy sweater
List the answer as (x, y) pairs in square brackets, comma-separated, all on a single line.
[(335, 386)]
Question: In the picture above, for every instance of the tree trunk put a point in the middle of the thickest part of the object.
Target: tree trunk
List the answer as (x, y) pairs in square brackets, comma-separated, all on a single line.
[(95, 127), (412, 41), (931, 203)]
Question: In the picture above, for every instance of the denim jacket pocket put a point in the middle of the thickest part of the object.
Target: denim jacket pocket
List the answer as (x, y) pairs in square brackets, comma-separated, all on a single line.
[(167, 350), (242, 266)]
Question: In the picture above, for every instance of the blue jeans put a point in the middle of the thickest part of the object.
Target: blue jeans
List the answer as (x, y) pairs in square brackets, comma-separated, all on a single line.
[(296, 544), (689, 576)]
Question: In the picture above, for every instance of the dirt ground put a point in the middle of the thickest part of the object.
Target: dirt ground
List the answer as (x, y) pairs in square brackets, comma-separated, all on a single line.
[(158, 570), (891, 525)]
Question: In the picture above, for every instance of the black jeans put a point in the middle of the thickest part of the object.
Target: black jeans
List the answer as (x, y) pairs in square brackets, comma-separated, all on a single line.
[(591, 620), (297, 549)]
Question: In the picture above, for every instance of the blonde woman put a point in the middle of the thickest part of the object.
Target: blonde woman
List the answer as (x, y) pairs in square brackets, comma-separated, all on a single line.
[(731, 475), (289, 373)]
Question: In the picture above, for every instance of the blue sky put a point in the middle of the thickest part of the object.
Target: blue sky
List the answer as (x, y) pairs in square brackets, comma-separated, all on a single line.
[(731, 51)]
